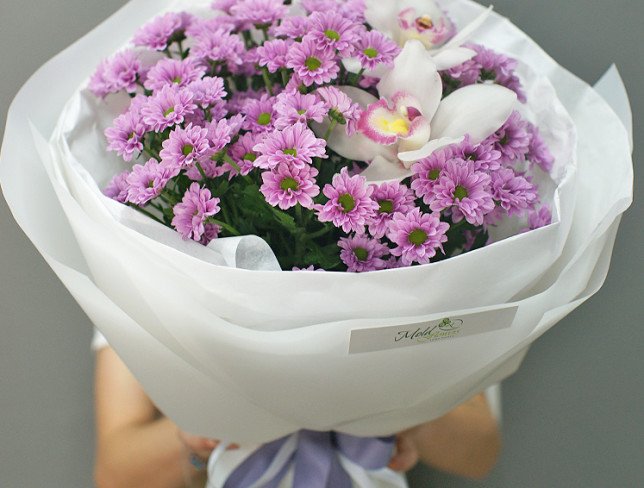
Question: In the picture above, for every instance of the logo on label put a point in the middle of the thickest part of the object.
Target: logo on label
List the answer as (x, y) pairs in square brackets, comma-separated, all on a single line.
[(444, 329)]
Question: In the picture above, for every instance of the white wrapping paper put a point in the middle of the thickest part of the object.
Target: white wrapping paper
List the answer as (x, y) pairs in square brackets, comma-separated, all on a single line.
[(250, 356)]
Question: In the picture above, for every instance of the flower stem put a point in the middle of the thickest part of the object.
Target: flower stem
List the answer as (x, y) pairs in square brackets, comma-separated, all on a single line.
[(145, 212), (319, 233), (284, 73), (267, 81), (224, 225), (332, 125), (201, 170)]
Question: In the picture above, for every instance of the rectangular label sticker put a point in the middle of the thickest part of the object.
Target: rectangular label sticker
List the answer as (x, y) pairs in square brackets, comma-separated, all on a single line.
[(395, 336)]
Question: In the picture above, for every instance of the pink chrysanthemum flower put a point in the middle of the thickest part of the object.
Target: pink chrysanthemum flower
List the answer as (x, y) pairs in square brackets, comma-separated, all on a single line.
[(272, 54), (330, 30), (210, 233), (258, 12), (242, 152), (126, 135), (368, 82), (417, 236), (538, 152), (219, 134), (173, 71), (513, 192), (464, 191), (167, 108), (341, 108), (483, 155), (292, 107), (184, 147), (223, 5), (350, 205), (191, 213), (98, 84), (222, 23), (312, 64), (498, 68), (427, 171), (391, 197), (294, 27), (260, 114), (361, 253), (218, 46), (116, 189), (512, 139), (287, 185), (147, 181), (374, 48), (120, 72), (295, 145), (539, 218), (207, 91), (163, 30)]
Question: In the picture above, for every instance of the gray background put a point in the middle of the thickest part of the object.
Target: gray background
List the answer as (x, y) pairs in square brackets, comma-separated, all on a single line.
[(573, 413)]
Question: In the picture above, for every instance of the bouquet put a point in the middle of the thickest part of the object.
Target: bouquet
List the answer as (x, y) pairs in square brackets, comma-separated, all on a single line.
[(269, 122), (441, 158)]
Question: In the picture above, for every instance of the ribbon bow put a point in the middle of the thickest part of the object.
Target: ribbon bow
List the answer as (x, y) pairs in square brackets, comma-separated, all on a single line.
[(317, 459)]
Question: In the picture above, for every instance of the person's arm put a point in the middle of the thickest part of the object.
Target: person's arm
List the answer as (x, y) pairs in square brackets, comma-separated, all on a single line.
[(137, 447), (465, 441)]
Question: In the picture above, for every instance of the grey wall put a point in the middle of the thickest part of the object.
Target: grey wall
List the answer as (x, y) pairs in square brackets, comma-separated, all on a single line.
[(573, 413)]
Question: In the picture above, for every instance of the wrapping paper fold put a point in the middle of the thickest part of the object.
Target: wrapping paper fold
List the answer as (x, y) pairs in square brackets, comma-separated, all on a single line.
[(228, 347)]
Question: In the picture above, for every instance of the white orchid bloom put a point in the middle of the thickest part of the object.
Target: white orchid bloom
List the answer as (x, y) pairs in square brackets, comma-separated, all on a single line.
[(411, 120), (424, 21)]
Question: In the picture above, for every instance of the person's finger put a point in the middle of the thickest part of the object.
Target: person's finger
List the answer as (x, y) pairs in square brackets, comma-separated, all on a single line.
[(200, 446), (405, 456)]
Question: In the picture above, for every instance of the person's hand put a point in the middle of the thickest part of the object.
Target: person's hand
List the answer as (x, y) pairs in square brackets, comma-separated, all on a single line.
[(405, 455), (201, 447)]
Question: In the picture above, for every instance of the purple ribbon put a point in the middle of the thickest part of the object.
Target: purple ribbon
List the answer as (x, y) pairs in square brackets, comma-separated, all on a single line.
[(315, 461)]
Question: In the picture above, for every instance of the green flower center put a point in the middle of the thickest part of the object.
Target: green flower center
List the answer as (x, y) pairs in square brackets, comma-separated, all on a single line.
[(347, 202), (301, 111), (168, 111), (250, 156), (187, 149), (460, 192), (361, 253), (331, 34), (370, 52), (312, 63), (386, 206), (289, 183), (290, 152), (264, 118), (176, 79), (417, 237), (131, 136), (434, 174)]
